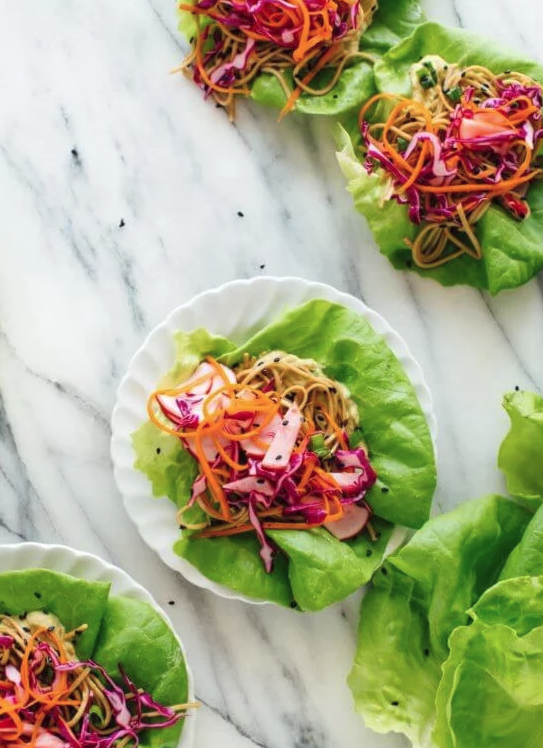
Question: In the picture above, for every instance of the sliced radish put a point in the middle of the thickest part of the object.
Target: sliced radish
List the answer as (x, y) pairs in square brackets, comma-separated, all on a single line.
[(203, 370), (198, 488), (484, 124), (250, 484), (208, 446), (278, 455), (354, 520), (266, 436), (350, 483)]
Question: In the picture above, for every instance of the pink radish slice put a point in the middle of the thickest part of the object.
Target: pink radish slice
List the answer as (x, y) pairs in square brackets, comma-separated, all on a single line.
[(249, 484), (210, 451), (349, 483), (266, 435), (353, 522), (203, 370), (278, 455)]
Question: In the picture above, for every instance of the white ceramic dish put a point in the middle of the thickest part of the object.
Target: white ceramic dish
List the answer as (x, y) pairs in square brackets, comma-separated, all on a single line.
[(88, 566), (235, 310)]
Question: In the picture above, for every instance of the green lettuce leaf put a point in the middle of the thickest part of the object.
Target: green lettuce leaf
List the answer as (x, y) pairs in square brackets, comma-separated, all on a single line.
[(315, 569), (392, 421), (134, 634), (512, 250), (73, 601), (527, 558), (491, 695), (235, 563), (394, 20), (421, 595), (515, 602), (521, 450), (322, 570)]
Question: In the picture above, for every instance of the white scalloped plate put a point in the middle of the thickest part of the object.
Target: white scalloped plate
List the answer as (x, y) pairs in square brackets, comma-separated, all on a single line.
[(235, 310), (88, 566)]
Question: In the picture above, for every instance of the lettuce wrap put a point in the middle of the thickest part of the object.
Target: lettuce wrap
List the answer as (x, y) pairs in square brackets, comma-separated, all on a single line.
[(313, 569), (512, 250), (393, 21), (119, 630)]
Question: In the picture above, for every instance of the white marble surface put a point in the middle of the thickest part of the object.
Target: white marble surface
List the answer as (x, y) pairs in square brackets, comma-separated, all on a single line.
[(95, 132)]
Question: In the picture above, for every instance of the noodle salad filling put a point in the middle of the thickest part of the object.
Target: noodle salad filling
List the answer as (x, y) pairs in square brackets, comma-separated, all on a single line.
[(48, 699), (236, 40), (465, 140), (271, 437)]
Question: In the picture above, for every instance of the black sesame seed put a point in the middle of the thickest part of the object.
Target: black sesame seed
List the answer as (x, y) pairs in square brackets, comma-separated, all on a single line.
[(158, 450), (260, 363), (25, 628), (377, 535), (285, 422), (262, 267), (260, 481), (333, 390), (50, 628), (506, 72), (122, 223), (384, 489), (191, 40), (276, 360), (74, 153), (171, 602), (38, 595), (293, 604), (46, 611), (427, 653), (384, 571), (279, 457), (394, 703), (335, 96), (369, 552), (241, 213), (22, 616), (517, 388)]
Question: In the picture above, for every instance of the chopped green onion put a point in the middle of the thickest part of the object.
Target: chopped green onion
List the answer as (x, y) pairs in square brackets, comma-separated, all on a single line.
[(454, 94), (402, 144), (318, 447)]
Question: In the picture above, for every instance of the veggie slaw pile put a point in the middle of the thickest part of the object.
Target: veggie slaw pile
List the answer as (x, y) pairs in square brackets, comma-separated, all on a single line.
[(466, 137), (271, 438), (49, 699), (237, 40)]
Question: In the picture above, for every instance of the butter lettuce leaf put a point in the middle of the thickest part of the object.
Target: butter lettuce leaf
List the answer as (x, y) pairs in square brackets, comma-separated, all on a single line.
[(521, 450), (134, 634), (527, 558), (392, 422), (512, 250), (73, 601), (420, 596)]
